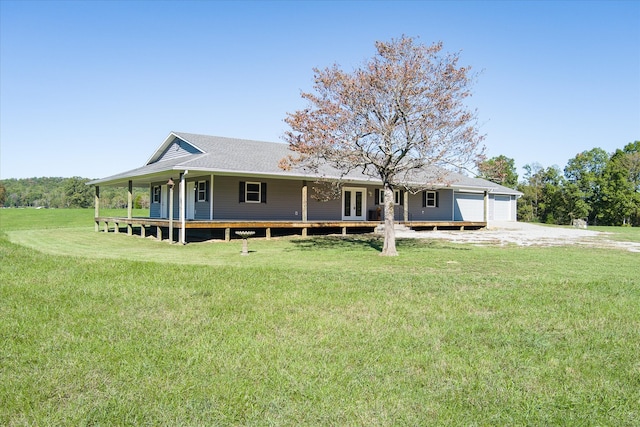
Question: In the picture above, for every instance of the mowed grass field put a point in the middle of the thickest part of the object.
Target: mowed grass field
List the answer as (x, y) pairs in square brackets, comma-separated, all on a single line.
[(105, 329)]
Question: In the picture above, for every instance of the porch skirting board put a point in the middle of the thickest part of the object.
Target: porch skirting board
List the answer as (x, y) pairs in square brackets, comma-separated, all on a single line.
[(146, 225)]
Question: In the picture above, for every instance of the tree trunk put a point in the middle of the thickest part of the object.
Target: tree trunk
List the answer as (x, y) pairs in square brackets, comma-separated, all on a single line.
[(389, 247)]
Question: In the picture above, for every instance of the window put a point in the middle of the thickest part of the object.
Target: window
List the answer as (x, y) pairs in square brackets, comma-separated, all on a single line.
[(429, 199), (201, 187), (253, 192), (398, 197), (157, 191)]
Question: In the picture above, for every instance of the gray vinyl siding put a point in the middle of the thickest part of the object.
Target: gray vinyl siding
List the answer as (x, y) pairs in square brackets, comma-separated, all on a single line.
[(330, 210), (178, 148), (440, 213), (284, 200), (154, 210), (202, 211)]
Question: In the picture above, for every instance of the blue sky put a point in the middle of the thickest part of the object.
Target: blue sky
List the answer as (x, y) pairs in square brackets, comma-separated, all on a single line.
[(93, 88)]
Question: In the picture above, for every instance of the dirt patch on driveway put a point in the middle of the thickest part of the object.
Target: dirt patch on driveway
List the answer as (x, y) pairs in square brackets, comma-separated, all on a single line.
[(525, 234)]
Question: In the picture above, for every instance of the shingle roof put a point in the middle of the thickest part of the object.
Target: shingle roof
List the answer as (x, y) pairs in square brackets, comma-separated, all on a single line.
[(240, 156)]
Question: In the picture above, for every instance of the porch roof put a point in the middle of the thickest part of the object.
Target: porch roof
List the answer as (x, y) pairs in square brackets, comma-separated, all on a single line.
[(232, 156)]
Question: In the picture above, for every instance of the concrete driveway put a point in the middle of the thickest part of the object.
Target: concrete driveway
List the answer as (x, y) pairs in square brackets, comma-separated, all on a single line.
[(524, 234)]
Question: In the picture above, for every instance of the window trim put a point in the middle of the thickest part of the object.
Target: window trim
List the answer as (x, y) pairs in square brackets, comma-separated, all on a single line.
[(433, 200), (156, 193), (201, 191), (397, 197), (247, 192)]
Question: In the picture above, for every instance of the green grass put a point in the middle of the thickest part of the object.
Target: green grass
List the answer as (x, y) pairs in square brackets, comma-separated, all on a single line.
[(105, 329), (625, 234)]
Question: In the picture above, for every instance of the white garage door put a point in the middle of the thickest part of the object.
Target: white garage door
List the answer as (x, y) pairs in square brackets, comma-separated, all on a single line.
[(502, 208), (469, 207)]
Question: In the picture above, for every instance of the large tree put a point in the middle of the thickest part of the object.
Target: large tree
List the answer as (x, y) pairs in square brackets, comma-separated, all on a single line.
[(400, 112), (585, 172), (77, 193), (621, 191), (500, 169)]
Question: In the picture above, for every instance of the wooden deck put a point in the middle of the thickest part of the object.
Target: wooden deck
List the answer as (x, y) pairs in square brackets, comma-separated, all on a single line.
[(201, 230)]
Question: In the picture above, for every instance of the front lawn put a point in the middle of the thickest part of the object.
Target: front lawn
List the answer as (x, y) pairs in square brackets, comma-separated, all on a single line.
[(107, 329)]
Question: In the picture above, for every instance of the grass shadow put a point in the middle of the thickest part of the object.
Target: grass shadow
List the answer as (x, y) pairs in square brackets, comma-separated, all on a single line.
[(368, 242), (339, 242)]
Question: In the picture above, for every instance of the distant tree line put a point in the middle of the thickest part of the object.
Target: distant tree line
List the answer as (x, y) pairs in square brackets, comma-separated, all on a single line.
[(65, 193), (601, 187)]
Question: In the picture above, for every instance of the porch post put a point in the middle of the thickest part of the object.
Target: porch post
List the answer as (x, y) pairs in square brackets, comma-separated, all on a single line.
[(97, 208), (304, 201), (486, 206), (130, 208), (305, 205), (211, 199), (406, 206), (170, 184), (453, 205), (183, 206)]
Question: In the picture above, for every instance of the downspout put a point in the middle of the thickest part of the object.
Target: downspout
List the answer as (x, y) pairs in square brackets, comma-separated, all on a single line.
[(183, 206)]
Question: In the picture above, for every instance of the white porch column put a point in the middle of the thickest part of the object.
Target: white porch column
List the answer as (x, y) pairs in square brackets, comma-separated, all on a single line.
[(406, 206), (486, 206), (170, 184), (130, 200), (97, 208), (183, 207), (130, 207), (211, 198), (304, 201)]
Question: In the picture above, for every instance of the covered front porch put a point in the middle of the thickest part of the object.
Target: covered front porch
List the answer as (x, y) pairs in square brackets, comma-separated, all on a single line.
[(178, 227)]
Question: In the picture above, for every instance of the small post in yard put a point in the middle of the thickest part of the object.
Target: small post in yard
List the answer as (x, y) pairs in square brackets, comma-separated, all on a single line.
[(245, 244), (170, 184)]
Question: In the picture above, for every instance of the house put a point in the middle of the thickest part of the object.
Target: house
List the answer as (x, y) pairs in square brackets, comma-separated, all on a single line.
[(226, 183)]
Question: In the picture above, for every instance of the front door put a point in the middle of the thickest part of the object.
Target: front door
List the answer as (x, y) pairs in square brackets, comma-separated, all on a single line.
[(164, 202), (191, 200), (354, 202)]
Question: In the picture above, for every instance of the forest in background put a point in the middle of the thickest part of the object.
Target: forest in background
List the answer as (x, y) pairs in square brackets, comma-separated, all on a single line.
[(65, 193), (601, 187)]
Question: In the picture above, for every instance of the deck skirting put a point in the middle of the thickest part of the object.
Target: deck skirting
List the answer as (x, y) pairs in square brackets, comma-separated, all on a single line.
[(146, 226)]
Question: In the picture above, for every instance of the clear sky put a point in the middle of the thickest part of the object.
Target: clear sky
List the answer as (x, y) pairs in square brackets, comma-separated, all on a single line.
[(92, 88)]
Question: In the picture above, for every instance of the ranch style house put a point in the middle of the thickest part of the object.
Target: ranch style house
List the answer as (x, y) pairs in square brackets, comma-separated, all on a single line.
[(208, 185)]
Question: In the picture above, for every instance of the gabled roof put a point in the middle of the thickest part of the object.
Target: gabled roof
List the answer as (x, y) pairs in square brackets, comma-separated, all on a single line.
[(200, 154)]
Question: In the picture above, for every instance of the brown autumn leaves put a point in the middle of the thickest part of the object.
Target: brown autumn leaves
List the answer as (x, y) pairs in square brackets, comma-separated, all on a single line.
[(394, 118)]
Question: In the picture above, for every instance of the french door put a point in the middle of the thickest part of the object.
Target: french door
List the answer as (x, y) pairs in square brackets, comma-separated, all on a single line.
[(354, 202)]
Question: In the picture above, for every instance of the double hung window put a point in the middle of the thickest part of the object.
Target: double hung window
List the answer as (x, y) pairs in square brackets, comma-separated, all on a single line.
[(429, 199), (157, 191), (202, 191), (253, 192)]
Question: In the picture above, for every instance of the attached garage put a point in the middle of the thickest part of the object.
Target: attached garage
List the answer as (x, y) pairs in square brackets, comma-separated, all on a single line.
[(502, 208), (468, 207)]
